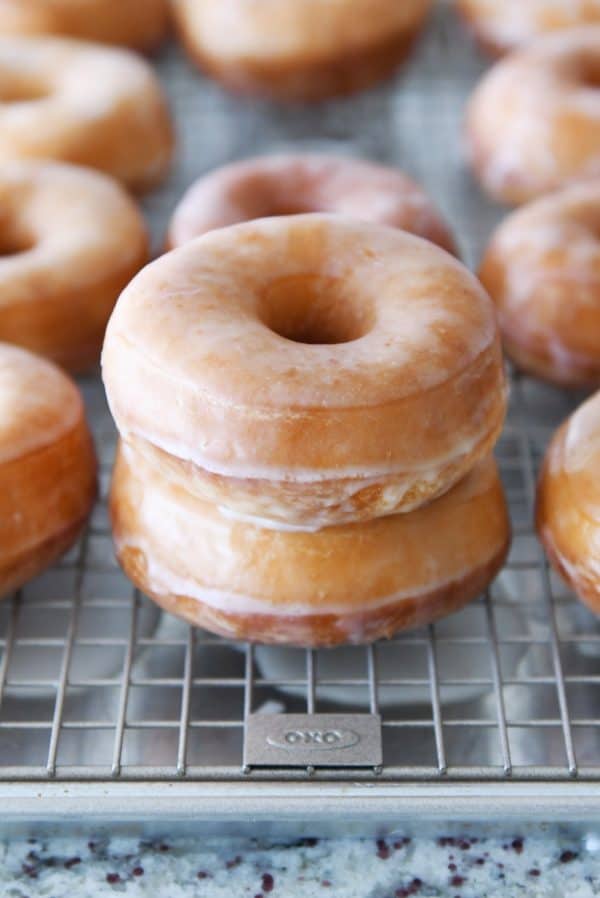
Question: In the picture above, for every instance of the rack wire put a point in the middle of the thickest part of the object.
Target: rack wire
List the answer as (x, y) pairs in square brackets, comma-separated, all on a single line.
[(97, 684)]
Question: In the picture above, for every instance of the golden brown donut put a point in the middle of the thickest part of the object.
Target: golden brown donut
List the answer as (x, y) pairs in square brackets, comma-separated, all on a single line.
[(83, 103), (533, 123), (568, 502), (309, 369), (140, 24), (291, 184), (299, 49), (47, 466), (542, 269), (503, 25), (70, 240), (351, 584)]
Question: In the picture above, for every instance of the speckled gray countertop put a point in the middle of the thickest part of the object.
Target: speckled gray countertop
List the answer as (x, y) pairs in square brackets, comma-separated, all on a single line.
[(452, 867)]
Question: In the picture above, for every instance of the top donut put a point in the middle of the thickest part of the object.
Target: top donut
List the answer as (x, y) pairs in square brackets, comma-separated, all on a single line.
[(308, 369)]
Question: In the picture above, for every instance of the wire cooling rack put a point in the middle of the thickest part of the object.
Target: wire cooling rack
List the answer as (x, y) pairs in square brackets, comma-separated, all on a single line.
[(97, 685)]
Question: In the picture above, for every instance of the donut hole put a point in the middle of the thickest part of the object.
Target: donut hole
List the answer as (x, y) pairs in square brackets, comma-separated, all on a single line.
[(589, 73), (315, 310), (13, 242), (267, 195), (267, 204), (21, 89), (276, 210)]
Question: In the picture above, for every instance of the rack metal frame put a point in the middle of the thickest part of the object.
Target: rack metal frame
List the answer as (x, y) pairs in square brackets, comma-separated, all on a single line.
[(126, 706)]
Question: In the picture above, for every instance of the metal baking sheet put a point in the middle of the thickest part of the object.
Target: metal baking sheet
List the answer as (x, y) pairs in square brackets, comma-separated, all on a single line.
[(109, 708)]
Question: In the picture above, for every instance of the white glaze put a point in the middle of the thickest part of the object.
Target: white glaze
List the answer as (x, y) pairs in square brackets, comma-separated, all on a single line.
[(542, 268), (267, 523), (586, 570), (277, 29), (510, 23), (38, 403), (159, 510), (186, 343), (183, 551), (363, 475), (85, 90), (79, 220), (165, 581), (86, 78), (518, 112), (134, 23), (582, 438), (511, 125)]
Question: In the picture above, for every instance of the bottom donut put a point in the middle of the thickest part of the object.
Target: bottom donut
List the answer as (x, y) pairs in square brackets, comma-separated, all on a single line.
[(347, 584)]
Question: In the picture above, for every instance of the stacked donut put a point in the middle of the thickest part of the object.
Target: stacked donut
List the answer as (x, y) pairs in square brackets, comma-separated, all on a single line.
[(307, 406)]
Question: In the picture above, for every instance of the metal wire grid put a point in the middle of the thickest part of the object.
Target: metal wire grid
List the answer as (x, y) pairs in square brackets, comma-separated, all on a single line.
[(134, 732), (95, 683)]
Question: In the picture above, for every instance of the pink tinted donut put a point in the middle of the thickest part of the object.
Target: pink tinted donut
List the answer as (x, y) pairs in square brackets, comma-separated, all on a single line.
[(293, 184)]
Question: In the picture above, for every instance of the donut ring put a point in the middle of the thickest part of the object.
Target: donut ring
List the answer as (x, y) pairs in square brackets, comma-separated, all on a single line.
[(533, 123), (47, 466), (71, 240), (284, 185), (542, 269), (299, 49), (351, 584), (140, 24), (503, 25), (568, 502), (77, 102), (304, 369)]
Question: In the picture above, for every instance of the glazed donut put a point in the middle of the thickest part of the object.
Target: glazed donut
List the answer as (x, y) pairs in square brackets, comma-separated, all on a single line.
[(533, 124), (140, 24), (70, 240), (77, 102), (568, 502), (299, 49), (284, 185), (309, 369), (47, 466), (542, 269), (503, 25), (343, 584)]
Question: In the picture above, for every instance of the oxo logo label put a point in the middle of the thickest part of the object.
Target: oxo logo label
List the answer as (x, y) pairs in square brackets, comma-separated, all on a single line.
[(322, 740)]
